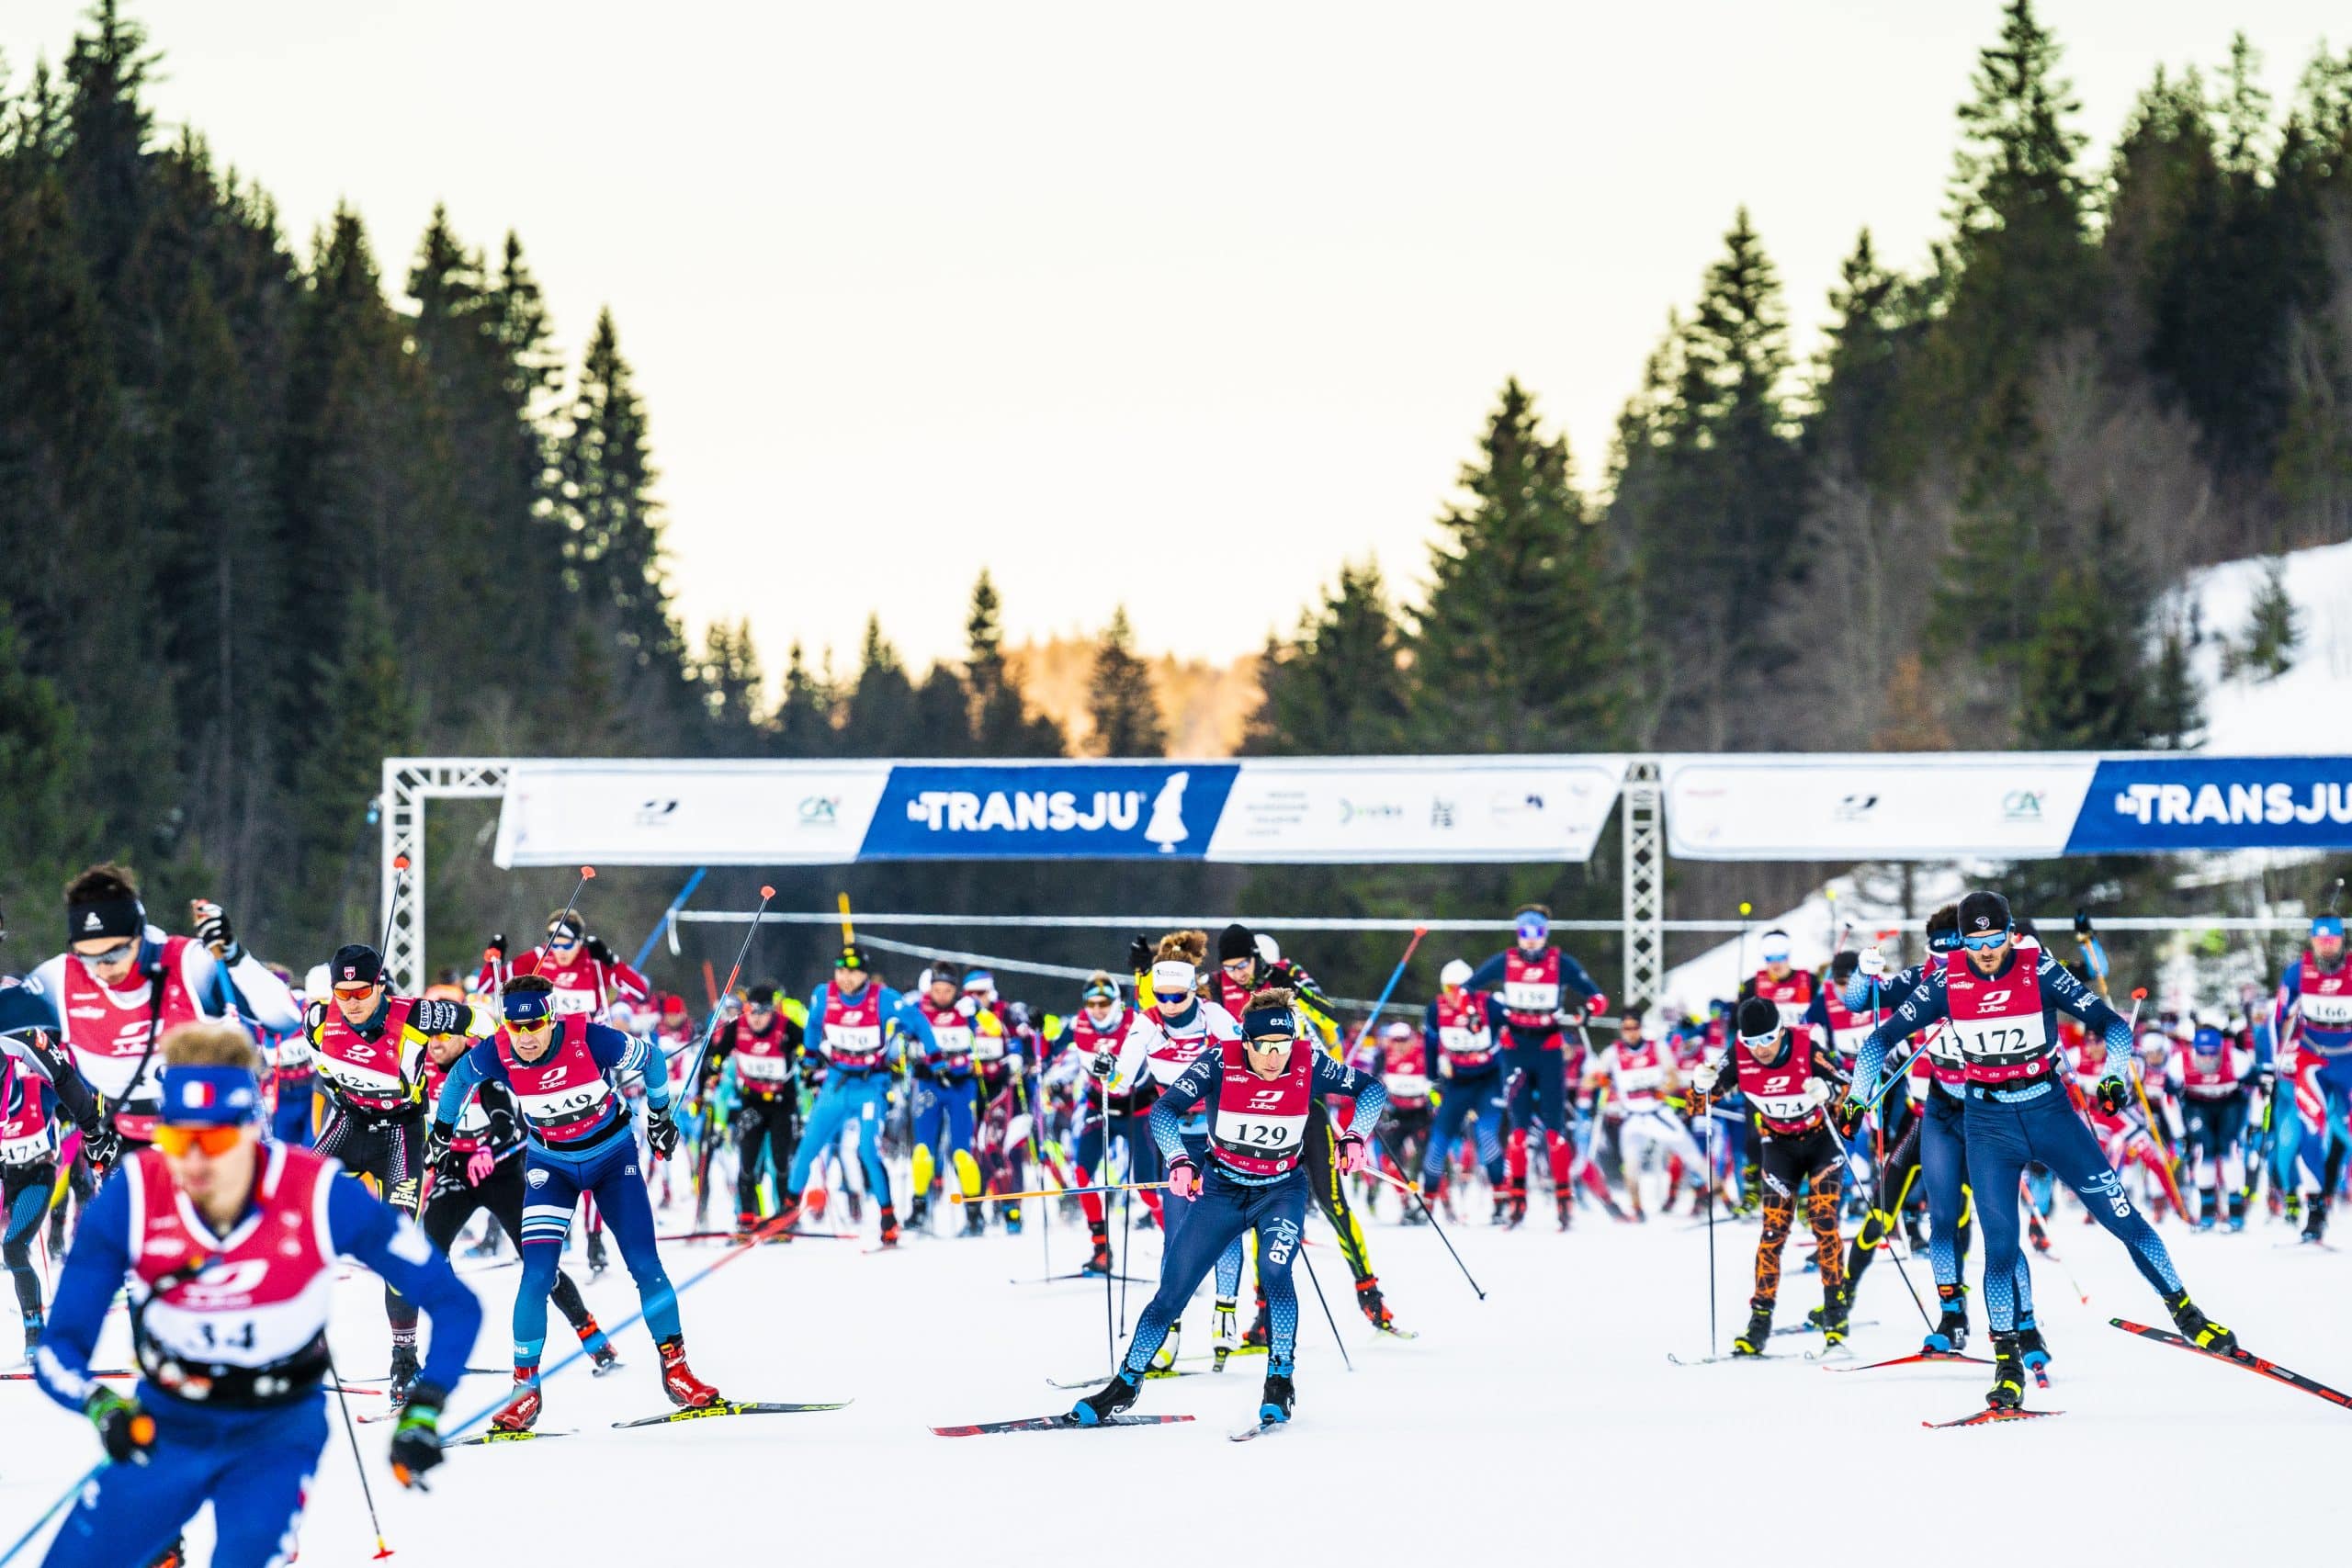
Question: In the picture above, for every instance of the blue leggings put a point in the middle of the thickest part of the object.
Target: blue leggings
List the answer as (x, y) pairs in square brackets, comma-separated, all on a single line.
[(1458, 1097), (1952, 1202), (846, 1098), (2002, 1139), (1220, 1216), (290, 1122), (552, 1190), (253, 1466), (942, 1119), (29, 1191)]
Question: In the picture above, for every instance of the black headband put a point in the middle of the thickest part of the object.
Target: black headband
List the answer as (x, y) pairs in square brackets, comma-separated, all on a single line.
[(1259, 1023), (104, 917)]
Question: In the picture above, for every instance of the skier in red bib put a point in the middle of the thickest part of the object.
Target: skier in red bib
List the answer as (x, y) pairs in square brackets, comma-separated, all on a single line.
[(1533, 978)]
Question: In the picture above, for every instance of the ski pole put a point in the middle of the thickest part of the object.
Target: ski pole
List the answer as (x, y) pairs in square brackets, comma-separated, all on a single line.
[(1426, 1212), (665, 923), (1348, 1359), (393, 904), (51, 1512), (343, 1402), (539, 954), (1054, 1192), (1394, 975), (1707, 1113), (1110, 1333), (693, 1078)]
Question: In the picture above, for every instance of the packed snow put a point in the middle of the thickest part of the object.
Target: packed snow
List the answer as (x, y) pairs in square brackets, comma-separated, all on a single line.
[(1546, 1416)]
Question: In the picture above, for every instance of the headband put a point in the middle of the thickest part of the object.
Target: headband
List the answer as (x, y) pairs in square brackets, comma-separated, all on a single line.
[(210, 1096)]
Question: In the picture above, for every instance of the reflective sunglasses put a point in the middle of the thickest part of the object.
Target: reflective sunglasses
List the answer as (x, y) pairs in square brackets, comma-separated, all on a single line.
[(175, 1140), (1978, 941), (120, 953)]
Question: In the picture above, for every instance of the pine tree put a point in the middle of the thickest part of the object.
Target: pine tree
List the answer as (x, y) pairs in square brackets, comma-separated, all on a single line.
[(370, 716), (2272, 632), (1338, 685), (1125, 711), (804, 717), (878, 720), (1002, 725), (943, 714), (730, 680), (49, 830)]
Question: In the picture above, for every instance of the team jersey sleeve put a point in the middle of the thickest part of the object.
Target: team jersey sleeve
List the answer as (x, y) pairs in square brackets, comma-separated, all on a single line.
[(266, 1000), (26, 1008), (1574, 974), (621, 1054), (468, 1073), (1925, 1004), (910, 1019), (2061, 989), (1429, 1040), (361, 1227), (1336, 1077), (1816, 1014), (1140, 1036), (1487, 974), (2283, 1017), (95, 1270), (1180, 1099), (623, 981), (45, 1059)]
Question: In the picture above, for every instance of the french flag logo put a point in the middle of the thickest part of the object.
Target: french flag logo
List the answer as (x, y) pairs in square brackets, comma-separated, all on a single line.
[(198, 1096)]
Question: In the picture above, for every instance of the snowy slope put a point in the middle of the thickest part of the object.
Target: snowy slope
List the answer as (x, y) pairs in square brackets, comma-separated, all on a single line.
[(2306, 710), (1544, 1419)]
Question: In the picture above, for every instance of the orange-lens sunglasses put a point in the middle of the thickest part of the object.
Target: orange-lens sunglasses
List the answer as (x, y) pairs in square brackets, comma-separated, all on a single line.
[(175, 1140)]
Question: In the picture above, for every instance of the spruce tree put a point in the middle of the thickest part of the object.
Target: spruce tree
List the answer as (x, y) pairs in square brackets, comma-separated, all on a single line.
[(370, 714), (878, 720), (2273, 629), (804, 714), (1120, 699), (49, 830), (1338, 685)]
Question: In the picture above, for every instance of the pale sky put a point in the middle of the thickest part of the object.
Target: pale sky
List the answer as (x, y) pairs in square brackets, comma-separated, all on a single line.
[(1174, 305)]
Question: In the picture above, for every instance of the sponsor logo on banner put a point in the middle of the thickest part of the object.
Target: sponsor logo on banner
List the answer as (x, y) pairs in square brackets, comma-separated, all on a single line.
[(1854, 808), (654, 813), (2021, 805), (1369, 811), (2216, 802), (820, 810), (1109, 810)]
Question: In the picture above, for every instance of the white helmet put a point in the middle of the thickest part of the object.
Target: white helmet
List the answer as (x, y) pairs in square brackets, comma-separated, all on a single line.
[(1454, 975), (317, 982), (1270, 951)]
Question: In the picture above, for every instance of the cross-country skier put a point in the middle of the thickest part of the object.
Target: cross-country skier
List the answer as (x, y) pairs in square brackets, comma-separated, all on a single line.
[(1533, 977), (850, 1021), (481, 1172), (122, 982), (587, 976), (1252, 1092), (1098, 1028), (368, 1046), (1402, 1061), (37, 1081), (1463, 1030), (2310, 1020), (2211, 1079), (2000, 995), (765, 1047), (942, 1079), (227, 1245), (1641, 1077), (580, 1142), (1792, 1082)]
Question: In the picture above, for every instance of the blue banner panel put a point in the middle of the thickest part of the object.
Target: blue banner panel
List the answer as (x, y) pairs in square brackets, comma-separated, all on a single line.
[(1049, 811), (2151, 804)]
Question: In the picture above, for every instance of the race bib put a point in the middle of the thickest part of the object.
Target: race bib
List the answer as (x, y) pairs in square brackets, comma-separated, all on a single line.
[(1531, 996), (563, 1002), (1270, 1137), (36, 1149), (763, 1069)]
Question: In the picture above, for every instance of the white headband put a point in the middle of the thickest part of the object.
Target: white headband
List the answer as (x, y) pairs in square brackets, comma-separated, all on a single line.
[(1173, 977)]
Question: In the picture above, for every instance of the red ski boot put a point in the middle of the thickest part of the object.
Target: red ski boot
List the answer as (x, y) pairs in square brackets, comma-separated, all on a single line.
[(686, 1390), (521, 1412)]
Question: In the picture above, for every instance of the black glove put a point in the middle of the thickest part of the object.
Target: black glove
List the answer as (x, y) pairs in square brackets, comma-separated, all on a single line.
[(416, 1443), (662, 1132), (2111, 1095), (434, 1015), (448, 1163), (1141, 953), (212, 929), (1850, 1116), (495, 949), (600, 950), (127, 1432), (101, 1144)]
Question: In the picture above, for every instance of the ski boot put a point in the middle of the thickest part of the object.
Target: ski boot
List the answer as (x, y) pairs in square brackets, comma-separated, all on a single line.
[(1568, 1207), (1417, 1214), (602, 1357), (1261, 1331), (2209, 1205), (920, 1214), (404, 1369), (2197, 1328), (686, 1390), (1752, 1341), (1164, 1359), (1915, 1235), (521, 1411), (2291, 1206), (1274, 1402), (2237, 1213), (1099, 1232), (1229, 1332), (597, 1258), (1950, 1336), (2008, 1391), (1012, 1219), (1368, 1297), (2315, 1221), (857, 1206), (1105, 1401), (34, 1323), (747, 1227), (1518, 1207), (488, 1245), (2033, 1352), (889, 1226), (976, 1221), (1833, 1320), (1502, 1210)]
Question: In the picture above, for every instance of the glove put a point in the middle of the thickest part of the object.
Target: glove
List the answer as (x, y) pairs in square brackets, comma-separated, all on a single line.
[(478, 1165), (2110, 1095), (662, 1132), (1101, 1064), (435, 1015), (1848, 1117), (1704, 1080), (495, 949), (1872, 965), (1352, 1155), (101, 1144), (967, 1006), (213, 931), (416, 1443), (1141, 953), (600, 950), (127, 1432), (1816, 1091), (1184, 1178), (447, 1161), (1595, 1005)]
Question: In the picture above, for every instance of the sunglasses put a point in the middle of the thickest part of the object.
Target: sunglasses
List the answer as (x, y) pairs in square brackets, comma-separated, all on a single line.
[(175, 1141), (1980, 940), (541, 1027), (120, 953), (355, 993)]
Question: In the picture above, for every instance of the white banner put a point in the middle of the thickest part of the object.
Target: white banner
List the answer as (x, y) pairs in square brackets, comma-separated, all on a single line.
[(1422, 809), (1880, 805), (606, 812)]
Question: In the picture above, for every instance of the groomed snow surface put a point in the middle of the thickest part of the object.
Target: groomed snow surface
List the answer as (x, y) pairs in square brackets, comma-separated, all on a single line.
[(1543, 1424)]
